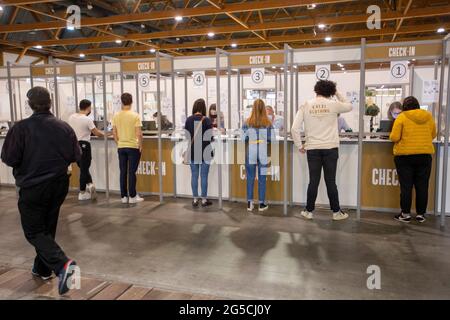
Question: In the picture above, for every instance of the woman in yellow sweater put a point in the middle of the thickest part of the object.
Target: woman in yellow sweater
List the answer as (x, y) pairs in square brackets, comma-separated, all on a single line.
[(413, 133)]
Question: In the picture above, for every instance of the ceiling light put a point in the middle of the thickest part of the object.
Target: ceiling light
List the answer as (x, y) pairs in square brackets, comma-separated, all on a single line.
[(118, 41), (295, 67), (211, 34), (82, 55), (142, 26), (1, 8), (311, 6), (234, 45), (321, 26), (343, 69), (340, 65), (71, 28), (178, 18), (89, 6), (328, 39), (273, 67), (152, 50), (38, 47), (441, 30), (282, 69)]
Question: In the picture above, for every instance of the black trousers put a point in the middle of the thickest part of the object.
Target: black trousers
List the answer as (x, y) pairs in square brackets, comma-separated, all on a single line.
[(85, 164), (414, 171), (128, 165), (326, 159), (39, 211)]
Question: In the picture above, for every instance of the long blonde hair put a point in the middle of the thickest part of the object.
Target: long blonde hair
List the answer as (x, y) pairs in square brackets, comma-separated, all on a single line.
[(259, 118)]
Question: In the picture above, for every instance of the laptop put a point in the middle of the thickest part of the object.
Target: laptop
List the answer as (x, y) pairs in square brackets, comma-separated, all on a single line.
[(385, 126)]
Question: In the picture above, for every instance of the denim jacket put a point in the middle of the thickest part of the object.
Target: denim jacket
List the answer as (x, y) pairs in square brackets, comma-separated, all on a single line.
[(258, 140)]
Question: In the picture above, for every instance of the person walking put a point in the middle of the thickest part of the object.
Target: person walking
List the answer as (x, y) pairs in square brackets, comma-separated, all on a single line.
[(127, 132), (258, 132), (199, 127), (40, 149), (413, 133), (84, 127), (319, 117)]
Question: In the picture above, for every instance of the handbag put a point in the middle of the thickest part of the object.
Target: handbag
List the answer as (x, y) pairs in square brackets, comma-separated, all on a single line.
[(187, 154)]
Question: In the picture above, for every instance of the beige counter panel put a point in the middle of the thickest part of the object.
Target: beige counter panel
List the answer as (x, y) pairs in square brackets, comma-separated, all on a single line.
[(380, 185)]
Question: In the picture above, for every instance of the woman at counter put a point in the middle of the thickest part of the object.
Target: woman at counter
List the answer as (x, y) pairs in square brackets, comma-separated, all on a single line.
[(212, 115), (394, 110), (258, 132), (200, 132), (413, 133)]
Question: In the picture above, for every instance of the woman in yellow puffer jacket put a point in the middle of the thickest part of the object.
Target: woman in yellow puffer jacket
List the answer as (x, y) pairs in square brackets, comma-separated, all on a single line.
[(413, 133)]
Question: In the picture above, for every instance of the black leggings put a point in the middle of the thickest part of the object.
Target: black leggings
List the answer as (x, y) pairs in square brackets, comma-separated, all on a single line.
[(85, 164)]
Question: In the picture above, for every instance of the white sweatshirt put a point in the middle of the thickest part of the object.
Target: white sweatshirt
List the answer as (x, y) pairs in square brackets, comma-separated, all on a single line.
[(320, 119)]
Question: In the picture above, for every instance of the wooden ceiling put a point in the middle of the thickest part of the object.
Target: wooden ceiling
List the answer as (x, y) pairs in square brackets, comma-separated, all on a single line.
[(124, 28)]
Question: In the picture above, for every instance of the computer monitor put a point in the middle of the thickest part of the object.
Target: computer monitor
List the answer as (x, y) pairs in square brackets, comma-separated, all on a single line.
[(386, 126), (149, 126), (100, 125)]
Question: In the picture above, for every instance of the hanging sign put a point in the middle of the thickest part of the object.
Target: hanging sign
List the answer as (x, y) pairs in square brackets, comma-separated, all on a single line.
[(399, 71), (62, 70), (430, 92), (199, 79), (165, 65), (99, 83), (406, 51), (257, 60), (144, 80), (323, 72), (258, 75)]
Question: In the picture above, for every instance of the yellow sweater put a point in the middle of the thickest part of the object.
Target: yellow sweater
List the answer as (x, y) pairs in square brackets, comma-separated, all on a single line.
[(413, 133)]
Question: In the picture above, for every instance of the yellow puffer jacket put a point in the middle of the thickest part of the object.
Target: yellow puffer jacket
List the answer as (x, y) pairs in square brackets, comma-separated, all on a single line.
[(413, 133)]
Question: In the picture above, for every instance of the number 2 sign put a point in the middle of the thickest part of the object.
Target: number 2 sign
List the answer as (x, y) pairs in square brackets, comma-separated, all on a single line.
[(323, 72), (399, 71)]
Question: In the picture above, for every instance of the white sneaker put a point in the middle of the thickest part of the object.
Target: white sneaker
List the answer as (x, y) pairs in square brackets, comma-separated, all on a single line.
[(250, 206), (84, 196), (91, 189), (125, 200), (307, 215), (136, 199), (340, 216)]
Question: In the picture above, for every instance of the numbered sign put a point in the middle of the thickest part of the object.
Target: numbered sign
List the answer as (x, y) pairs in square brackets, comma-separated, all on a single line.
[(399, 71), (144, 80), (323, 72), (99, 83), (258, 75), (199, 79), (51, 85)]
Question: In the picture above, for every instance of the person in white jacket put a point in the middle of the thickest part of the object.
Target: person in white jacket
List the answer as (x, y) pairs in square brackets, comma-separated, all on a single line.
[(319, 119)]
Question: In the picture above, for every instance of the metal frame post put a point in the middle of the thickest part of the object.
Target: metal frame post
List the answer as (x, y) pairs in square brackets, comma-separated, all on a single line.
[(441, 89), (93, 97), (138, 101), (105, 126), (31, 76), (11, 103), (172, 64), (239, 98), (219, 126), (287, 51), (158, 104), (76, 88), (55, 80), (186, 95), (446, 142), (362, 102)]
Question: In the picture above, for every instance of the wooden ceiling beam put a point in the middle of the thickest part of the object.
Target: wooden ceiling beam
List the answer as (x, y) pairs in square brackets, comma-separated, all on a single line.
[(24, 2), (168, 14), (276, 39), (281, 25)]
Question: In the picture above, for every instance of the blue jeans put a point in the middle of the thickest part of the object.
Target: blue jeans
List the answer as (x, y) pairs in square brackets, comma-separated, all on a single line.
[(262, 175), (128, 164), (203, 170)]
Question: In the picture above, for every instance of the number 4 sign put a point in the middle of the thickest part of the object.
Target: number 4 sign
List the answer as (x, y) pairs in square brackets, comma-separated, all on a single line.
[(323, 72), (399, 71), (199, 79)]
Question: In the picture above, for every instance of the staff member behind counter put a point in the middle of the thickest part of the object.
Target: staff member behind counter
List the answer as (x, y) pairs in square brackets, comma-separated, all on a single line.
[(40, 149), (319, 118), (84, 127)]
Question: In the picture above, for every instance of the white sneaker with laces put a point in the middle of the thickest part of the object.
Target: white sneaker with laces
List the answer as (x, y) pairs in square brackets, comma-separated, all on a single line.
[(124, 200), (136, 199), (307, 215), (84, 196), (340, 216), (91, 189)]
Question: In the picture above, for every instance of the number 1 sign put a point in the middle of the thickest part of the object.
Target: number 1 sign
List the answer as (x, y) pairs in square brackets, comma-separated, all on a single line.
[(399, 71)]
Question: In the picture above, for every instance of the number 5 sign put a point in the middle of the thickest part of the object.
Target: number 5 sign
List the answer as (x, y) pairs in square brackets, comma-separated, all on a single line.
[(323, 72), (258, 75), (399, 71)]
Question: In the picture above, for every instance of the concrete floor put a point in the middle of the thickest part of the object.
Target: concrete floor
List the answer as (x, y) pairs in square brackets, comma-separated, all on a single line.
[(234, 254)]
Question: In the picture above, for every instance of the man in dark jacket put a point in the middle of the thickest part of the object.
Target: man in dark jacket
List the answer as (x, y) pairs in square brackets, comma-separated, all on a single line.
[(40, 149)]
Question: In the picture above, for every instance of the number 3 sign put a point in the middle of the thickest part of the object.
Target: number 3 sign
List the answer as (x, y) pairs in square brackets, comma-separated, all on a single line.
[(399, 71), (323, 72), (258, 75)]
